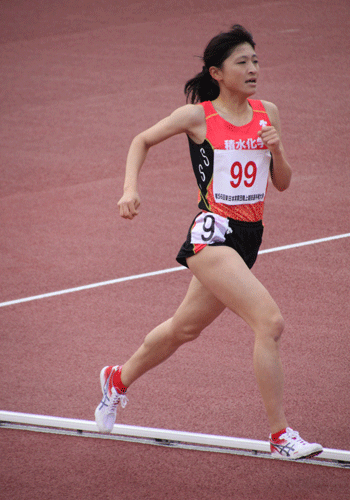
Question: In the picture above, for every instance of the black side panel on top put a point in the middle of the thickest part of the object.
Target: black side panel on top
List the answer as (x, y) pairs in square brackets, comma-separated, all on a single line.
[(202, 157)]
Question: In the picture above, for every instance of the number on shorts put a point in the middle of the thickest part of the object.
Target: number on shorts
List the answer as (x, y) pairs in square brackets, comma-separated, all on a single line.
[(208, 227)]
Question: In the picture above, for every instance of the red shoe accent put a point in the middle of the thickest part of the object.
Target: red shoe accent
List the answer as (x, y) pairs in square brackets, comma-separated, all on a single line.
[(275, 436), (117, 382)]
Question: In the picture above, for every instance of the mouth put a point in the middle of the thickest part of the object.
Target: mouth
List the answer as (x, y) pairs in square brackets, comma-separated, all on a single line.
[(252, 81)]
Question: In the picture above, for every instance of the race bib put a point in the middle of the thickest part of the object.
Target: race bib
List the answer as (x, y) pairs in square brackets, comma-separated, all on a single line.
[(240, 176)]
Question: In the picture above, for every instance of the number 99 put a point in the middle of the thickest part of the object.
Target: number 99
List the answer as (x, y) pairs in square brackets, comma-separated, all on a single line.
[(237, 174)]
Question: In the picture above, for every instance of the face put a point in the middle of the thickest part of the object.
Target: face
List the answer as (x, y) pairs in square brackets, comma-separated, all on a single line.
[(240, 71)]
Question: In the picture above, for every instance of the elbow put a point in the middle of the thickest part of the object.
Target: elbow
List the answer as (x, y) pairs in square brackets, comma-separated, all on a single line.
[(281, 172), (141, 142), (282, 186), (282, 180)]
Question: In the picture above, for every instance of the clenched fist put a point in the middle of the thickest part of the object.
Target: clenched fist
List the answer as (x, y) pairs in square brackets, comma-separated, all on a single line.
[(129, 204), (270, 138)]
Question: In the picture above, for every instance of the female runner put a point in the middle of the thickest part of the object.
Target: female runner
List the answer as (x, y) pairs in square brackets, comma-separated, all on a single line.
[(234, 145)]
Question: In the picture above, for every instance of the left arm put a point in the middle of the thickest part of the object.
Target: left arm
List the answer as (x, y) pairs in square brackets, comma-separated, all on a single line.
[(271, 136)]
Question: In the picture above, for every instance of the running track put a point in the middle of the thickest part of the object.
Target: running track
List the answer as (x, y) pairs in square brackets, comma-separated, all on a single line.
[(78, 81)]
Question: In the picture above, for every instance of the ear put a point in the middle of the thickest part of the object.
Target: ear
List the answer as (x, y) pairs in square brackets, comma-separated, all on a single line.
[(215, 73)]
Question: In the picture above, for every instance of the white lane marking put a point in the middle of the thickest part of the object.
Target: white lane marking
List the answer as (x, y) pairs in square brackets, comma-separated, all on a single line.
[(157, 273)]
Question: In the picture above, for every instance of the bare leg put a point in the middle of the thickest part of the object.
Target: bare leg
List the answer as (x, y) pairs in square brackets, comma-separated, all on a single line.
[(198, 309), (222, 271)]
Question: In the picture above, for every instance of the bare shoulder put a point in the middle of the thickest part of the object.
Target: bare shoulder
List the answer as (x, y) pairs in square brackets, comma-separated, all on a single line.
[(186, 119), (271, 108), (191, 115), (190, 119), (272, 111)]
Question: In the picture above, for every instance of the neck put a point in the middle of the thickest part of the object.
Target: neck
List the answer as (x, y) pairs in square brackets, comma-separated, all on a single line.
[(234, 110), (235, 104)]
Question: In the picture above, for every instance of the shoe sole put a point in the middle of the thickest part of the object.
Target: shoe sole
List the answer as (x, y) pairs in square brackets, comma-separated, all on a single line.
[(310, 455), (314, 454)]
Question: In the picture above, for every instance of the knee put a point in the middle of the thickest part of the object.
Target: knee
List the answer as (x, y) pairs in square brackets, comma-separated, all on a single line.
[(185, 332), (272, 326), (277, 326)]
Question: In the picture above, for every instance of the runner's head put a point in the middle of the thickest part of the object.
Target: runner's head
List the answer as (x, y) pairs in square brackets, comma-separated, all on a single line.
[(203, 87)]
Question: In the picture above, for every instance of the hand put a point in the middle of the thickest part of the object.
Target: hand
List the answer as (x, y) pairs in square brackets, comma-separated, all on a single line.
[(270, 138), (129, 204)]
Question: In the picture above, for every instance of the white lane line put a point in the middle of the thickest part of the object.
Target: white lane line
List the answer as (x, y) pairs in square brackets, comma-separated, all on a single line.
[(92, 285), (305, 243), (157, 273)]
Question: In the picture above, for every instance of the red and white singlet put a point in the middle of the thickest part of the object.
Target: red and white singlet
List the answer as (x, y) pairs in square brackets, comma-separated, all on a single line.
[(232, 165)]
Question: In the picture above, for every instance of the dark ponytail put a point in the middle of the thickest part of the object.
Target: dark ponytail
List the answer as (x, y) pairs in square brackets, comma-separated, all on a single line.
[(203, 87)]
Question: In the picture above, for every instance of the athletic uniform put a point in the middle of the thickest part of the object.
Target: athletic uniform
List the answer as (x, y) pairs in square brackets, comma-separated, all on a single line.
[(231, 167)]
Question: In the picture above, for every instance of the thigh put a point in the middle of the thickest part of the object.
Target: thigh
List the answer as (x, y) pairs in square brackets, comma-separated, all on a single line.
[(198, 309), (224, 273)]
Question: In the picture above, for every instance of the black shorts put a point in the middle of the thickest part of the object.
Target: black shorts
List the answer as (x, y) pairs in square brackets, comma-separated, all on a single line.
[(212, 229)]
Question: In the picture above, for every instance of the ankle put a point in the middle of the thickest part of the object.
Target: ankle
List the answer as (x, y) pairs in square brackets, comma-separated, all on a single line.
[(117, 381), (276, 435)]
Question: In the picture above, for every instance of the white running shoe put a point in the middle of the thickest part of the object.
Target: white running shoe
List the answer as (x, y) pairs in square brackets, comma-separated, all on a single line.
[(106, 412), (290, 445)]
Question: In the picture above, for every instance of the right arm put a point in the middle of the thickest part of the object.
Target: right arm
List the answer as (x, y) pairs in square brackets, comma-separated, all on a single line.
[(187, 119)]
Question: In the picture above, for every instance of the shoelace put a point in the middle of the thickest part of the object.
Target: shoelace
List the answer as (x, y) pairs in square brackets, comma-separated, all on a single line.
[(294, 435), (116, 399)]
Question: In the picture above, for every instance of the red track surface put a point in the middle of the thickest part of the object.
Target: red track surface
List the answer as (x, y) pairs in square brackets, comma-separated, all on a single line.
[(78, 81)]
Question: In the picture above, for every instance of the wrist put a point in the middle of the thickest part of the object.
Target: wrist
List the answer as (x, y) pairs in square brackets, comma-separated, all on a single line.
[(277, 153), (129, 188)]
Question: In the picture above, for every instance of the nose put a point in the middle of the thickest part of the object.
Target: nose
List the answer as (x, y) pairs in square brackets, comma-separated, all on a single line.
[(252, 68)]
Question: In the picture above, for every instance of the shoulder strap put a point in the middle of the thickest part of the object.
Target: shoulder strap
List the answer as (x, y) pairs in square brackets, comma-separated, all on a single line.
[(257, 105), (209, 109)]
